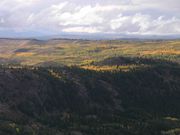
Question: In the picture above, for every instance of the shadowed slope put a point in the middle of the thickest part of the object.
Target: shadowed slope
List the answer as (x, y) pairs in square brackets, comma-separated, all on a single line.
[(64, 100)]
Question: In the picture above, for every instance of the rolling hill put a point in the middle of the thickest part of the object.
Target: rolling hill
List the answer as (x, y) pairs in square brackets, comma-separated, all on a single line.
[(81, 87)]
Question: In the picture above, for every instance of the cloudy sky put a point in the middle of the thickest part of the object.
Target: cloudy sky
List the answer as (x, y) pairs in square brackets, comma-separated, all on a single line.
[(142, 17)]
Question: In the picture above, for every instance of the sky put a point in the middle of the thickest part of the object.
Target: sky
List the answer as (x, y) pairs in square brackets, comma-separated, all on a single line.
[(51, 17)]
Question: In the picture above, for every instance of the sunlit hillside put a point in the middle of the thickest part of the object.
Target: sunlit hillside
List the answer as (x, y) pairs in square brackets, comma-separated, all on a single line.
[(83, 52)]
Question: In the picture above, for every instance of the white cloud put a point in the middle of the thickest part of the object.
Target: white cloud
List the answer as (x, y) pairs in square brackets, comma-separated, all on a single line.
[(92, 16), (161, 4), (82, 29), (2, 21), (84, 16), (119, 22), (143, 21), (145, 24)]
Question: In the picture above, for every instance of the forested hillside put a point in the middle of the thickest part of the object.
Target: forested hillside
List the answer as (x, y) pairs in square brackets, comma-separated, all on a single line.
[(143, 99)]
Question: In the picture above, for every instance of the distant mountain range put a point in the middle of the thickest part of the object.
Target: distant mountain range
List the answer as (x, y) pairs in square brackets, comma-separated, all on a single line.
[(89, 36)]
